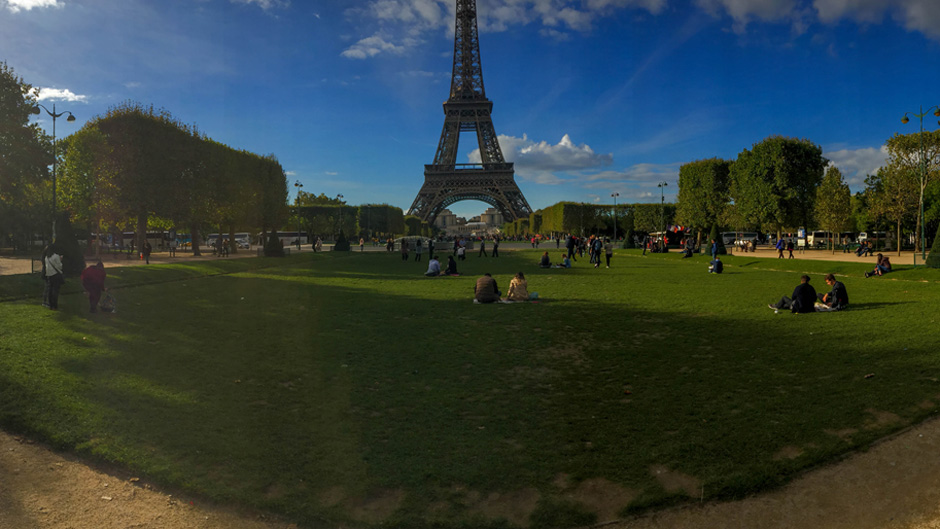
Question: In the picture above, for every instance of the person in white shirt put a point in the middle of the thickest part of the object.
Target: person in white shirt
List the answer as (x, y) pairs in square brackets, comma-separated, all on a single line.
[(434, 267), (52, 269)]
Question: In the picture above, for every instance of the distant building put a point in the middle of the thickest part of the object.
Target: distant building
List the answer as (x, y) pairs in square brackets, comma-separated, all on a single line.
[(492, 217), (486, 224), (446, 219)]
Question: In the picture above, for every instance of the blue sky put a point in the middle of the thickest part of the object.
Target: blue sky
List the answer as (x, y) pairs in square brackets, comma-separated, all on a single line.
[(591, 97)]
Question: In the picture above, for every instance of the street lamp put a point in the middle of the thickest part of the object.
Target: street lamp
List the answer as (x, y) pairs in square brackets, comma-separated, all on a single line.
[(55, 157), (662, 208), (923, 173), (299, 187), (615, 195), (340, 198)]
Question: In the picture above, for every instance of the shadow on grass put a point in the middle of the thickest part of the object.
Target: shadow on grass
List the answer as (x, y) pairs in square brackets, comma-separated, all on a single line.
[(288, 393)]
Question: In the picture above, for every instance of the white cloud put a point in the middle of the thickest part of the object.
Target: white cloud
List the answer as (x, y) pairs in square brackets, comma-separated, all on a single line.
[(264, 4), (867, 11), (745, 11), (370, 47), (132, 84), (15, 6), (914, 15), (59, 94), (856, 164)]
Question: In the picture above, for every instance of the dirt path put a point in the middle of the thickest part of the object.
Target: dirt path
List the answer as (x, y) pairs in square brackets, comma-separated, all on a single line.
[(893, 485), (40, 489)]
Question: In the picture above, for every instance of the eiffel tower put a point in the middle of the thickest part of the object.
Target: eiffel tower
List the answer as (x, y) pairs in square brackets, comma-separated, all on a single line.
[(468, 110)]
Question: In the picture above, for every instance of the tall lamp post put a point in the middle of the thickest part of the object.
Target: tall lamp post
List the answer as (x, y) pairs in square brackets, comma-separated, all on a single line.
[(615, 195), (662, 208), (340, 197), (299, 187), (923, 173), (55, 157)]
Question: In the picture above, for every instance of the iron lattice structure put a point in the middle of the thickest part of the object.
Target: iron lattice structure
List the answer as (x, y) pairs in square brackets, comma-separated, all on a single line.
[(468, 110)]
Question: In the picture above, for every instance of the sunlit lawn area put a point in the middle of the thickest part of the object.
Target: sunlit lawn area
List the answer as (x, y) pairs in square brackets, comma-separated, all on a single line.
[(348, 388)]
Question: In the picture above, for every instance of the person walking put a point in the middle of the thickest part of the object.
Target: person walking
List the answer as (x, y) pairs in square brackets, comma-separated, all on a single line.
[(779, 248), (482, 248), (496, 247), (52, 271), (93, 281), (404, 250), (418, 248), (608, 250), (146, 249), (362, 244)]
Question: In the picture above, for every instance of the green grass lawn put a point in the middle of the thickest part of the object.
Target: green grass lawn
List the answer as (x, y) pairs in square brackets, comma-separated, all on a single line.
[(349, 389)]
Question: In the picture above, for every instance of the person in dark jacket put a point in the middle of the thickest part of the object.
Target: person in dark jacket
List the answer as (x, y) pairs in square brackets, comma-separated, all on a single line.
[(803, 300), (486, 291), (716, 266), (838, 297)]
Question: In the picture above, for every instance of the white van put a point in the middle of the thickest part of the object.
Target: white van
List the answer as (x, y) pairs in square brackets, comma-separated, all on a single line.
[(865, 235), (817, 239)]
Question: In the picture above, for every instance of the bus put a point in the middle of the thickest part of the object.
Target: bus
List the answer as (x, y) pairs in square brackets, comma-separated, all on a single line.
[(242, 239), (157, 239)]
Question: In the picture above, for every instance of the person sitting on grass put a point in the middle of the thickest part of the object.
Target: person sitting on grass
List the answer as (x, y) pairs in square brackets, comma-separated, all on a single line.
[(451, 267), (518, 289), (803, 300), (882, 266), (565, 262), (462, 253), (486, 290), (545, 261), (716, 266), (838, 297), (434, 267)]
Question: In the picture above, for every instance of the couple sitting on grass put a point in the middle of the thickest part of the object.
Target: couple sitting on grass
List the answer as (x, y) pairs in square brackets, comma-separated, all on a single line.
[(434, 267), (546, 262), (805, 299), (486, 290)]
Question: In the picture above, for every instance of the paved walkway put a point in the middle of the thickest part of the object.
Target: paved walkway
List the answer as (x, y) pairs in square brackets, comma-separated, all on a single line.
[(19, 264)]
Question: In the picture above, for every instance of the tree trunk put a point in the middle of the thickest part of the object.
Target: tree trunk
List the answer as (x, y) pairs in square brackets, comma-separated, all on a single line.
[(141, 231), (899, 238), (232, 244), (194, 241)]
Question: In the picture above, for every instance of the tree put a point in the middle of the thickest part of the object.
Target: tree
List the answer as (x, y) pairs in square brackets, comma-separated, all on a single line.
[(703, 193), (894, 195), (905, 154), (25, 156), (833, 202), (773, 185)]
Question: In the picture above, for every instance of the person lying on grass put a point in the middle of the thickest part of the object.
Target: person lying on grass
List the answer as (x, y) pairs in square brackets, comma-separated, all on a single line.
[(486, 291), (803, 300), (434, 267), (838, 297), (882, 266), (518, 288)]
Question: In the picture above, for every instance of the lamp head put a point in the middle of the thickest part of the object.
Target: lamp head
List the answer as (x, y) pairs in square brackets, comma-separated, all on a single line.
[(904, 119), (937, 112), (34, 110), (70, 118)]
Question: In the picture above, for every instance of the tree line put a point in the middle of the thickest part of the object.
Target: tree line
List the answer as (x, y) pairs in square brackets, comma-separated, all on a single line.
[(777, 186)]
